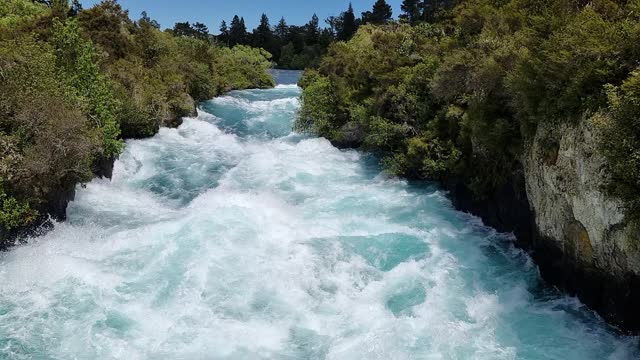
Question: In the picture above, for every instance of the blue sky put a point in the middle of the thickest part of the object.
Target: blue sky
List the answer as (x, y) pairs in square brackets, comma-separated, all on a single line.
[(212, 12)]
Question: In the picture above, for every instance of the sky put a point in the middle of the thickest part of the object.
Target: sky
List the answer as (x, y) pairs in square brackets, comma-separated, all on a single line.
[(212, 12)]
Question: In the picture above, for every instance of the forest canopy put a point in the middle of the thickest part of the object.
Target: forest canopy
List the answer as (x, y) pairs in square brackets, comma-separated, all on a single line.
[(294, 46)]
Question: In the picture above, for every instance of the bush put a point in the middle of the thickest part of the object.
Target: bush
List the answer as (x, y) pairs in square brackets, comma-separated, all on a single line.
[(72, 87), (462, 97), (17, 16), (242, 67), (320, 108), (434, 158), (76, 58), (14, 213), (620, 126)]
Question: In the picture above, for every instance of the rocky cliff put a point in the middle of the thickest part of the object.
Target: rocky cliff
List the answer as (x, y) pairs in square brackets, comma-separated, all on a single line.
[(555, 204), (582, 241)]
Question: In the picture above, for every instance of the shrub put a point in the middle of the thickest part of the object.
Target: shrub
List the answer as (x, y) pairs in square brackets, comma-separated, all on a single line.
[(72, 87), (620, 141), (320, 109), (243, 67), (14, 213), (463, 96)]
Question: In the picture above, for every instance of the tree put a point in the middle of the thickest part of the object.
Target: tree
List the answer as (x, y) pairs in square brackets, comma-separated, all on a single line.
[(381, 13), (349, 25), (335, 24), (145, 37), (282, 29), (313, 30), (431, 8), (237, 32), (224, 33), (108, 25), (200, 31), (145, 20), (182, 29), (412, 11), (59, 8), (197, 30), (262, 35), (243, 27)]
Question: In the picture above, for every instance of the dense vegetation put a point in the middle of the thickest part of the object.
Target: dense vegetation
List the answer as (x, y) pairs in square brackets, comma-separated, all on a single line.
[(456, 92), (295, 47), (74, 83)]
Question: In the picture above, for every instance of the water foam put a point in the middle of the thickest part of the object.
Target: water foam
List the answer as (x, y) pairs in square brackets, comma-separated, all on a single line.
[(216, 241)]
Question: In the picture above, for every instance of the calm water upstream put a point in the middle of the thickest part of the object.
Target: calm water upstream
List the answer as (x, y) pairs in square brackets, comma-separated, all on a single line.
[(232, 238)]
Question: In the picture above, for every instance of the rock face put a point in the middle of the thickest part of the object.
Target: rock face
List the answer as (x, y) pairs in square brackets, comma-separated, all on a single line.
[(104, 168), (555, 204), (597, 253)]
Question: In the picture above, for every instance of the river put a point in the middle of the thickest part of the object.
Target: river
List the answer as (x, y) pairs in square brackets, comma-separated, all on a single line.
[(233, 238)]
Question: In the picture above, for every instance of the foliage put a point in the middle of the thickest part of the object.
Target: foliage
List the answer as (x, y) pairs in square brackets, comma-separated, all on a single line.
[(297, 47), (380, 14), (16, 15), (108, 27), (237, 31), (76, 58), (620, 124), (243, 67), (14, 213), (321, 105), (197, 30), (74, 83), (459, 91)]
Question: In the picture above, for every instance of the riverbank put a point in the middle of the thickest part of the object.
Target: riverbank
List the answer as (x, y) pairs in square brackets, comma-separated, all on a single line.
[(527, 115), (78, 82)]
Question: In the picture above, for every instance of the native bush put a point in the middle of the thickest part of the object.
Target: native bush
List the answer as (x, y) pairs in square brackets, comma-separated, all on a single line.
[(74, 84), (620, 126), (461, 97)]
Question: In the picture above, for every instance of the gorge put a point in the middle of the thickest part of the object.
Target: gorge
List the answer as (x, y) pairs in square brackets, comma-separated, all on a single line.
[(231, 237), (444, 180)]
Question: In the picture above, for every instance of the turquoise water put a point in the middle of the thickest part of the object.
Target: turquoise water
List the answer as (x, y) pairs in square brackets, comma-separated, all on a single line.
[(232, 238)]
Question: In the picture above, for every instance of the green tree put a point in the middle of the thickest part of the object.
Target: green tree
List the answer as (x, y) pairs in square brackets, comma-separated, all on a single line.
[(224, 33), (108, 26), (237, 32), (145, 20), (380, 14), (200, 31), (412, 11), (262, 35), (287, 53), (184, 29), (620, 141), (77, 59), (349, 25), (313, 30), (14, 213), (282, 29)]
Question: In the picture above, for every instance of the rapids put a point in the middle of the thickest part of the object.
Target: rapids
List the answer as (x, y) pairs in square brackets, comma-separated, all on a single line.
[(233, 238)]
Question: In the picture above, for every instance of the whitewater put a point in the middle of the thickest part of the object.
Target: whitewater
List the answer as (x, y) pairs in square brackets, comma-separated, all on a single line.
[(231, 237)]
